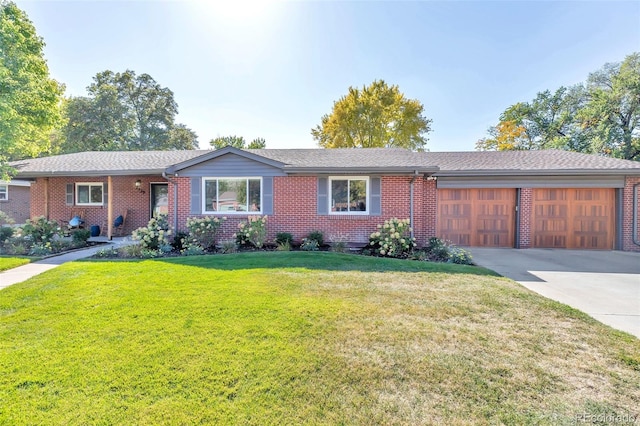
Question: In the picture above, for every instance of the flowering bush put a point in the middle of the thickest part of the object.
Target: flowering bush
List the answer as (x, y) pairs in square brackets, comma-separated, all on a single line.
[(154, 236), (203, 231), (253, 231), (393, 238), (40, 230)]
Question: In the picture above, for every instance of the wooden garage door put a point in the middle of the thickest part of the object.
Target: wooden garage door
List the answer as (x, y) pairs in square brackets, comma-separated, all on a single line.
[(477, 217), (574, 218)]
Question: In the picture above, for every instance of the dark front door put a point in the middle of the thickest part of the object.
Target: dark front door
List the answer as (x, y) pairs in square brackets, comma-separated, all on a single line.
[(159, 199)]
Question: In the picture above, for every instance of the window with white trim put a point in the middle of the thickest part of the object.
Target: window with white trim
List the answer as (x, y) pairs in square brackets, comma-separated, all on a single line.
[(4, 192), (349, 195), (89, 194), (232, 195)]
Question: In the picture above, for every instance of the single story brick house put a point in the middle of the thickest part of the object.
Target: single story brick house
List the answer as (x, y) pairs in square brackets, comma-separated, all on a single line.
[(15, 200), (521, 199)]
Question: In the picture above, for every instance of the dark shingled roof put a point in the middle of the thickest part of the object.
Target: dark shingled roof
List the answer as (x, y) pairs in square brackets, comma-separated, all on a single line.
[(523, 162), (317, 160)]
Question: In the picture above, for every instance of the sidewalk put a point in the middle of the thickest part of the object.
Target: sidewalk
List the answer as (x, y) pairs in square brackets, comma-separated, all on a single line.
[(24, 272)]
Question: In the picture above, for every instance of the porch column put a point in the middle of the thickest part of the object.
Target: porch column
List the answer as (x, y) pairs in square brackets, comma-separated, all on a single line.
[(109, 208)]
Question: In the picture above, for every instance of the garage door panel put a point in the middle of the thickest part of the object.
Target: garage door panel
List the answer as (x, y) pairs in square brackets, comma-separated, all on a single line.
[(574, 218), (477, 217)]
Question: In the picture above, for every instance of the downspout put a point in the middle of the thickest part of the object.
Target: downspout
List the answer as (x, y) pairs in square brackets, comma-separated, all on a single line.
[(413, 179), (518, 195), (175, 200), (634, 235)]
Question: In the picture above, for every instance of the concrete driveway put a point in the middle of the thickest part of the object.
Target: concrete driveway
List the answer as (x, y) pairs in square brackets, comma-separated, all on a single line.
[(604, 284)]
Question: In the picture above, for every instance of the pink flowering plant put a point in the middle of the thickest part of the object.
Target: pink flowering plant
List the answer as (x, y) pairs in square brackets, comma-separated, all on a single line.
[(203, 232), (252, 232), (393, 238)]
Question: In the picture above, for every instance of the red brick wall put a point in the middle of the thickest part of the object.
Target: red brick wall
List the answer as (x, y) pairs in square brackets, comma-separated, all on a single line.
[(526, 212), (627, 221), (125, 196), (295, 209), (18, 204)]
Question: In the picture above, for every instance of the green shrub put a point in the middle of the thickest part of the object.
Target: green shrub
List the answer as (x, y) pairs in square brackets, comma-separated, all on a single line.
[(253, 231), (284, 246), (437, 250), (107, 253), (154, 236), (191, 250), (460, 256), (309, 245), (393, 239), (339, 242), (284, 237), (203, 231), (39, 230), (228, 246), (5, 219), (317, 236), (80, 236), (6, 232), (41, 249), (178, 240)]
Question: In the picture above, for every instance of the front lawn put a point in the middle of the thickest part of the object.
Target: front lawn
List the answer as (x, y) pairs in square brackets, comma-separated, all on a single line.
[(12, 262), (302, 338)]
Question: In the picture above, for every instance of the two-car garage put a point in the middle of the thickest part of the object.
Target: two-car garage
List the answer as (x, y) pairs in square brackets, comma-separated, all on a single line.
[(576, 218)]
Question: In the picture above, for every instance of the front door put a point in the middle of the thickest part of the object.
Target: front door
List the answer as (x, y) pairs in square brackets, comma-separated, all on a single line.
[(159, 199)]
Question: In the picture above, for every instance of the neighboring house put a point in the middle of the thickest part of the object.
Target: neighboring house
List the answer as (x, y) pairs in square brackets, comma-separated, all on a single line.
[(517, 199), (15, 200)]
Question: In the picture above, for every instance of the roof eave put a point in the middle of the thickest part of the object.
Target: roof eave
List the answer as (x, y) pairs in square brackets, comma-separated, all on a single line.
[(549, 172), (92, 173)]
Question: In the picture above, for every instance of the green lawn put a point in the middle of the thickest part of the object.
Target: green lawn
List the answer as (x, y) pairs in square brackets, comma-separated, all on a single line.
[(12, 262), (301, 338)]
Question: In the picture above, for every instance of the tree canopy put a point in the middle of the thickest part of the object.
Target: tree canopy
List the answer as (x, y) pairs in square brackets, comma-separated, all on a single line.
[(29, 98), (375, 116), (601, 116), (237, 142), (124, 111)]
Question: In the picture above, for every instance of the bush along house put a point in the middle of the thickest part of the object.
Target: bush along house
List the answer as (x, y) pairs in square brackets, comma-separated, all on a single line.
[(521, 199)]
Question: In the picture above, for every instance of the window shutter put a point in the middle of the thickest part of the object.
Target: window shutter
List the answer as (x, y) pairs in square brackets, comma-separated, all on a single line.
[(69, 193), (196, 204), (105, 193), (375, 193), (323, 196), (267, 195)]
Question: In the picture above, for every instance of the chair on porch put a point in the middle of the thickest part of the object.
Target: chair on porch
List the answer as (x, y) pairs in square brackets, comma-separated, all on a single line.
[(76, 221), (119, 224)]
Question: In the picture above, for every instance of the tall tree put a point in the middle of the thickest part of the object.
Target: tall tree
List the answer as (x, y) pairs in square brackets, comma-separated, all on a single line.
[(549, 121), (124, 112), (375, 116), (29, 98), (600, 117), (611, 116), (237, 142)]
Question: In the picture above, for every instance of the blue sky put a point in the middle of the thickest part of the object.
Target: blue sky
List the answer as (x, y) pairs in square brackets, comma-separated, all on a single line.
[(272, 69)]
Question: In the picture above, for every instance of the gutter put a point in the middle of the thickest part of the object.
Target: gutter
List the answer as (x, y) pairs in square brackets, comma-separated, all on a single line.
[(634, 220), (175, 200), (533, 172), (413, 179)]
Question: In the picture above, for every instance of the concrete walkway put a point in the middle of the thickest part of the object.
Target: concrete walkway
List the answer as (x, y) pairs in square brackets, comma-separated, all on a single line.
[(24, 272), (603, 284)]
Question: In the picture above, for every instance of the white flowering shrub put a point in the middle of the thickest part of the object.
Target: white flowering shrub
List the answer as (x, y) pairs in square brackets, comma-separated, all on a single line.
[(203, 232), (393, 238), (253, 231), (154, 236)]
